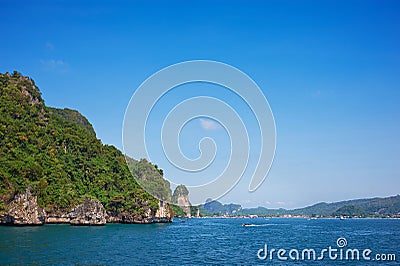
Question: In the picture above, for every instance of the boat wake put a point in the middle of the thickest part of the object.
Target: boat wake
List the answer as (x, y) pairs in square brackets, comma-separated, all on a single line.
[(257, 225)]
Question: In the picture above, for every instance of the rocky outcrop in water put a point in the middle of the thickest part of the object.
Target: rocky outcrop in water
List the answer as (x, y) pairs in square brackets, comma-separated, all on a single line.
[(181, 198), (164, 213), (58, 218), (23, 210), (90, 212)]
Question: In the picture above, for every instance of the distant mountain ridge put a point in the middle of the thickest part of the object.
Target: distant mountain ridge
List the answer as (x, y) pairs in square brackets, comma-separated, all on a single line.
[(372, 207), (387, 206), (213, 207)]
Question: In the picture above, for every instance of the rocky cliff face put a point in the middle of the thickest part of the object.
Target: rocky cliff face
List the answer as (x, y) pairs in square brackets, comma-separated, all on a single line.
[(181, 198), (184, 204), (23, 210), (128, 217), (90, 212), (162, 215), (58, 219)]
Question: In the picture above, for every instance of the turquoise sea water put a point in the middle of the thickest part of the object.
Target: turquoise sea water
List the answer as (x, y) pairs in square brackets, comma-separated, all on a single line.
[(199, 241)]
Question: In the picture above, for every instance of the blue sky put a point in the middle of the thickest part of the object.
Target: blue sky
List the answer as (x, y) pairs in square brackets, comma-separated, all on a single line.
[(329, 69)]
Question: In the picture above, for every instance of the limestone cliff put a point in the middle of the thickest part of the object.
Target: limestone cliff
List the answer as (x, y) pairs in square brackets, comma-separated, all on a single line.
[(180, 197), (23, 210), (162, 215), (90, 212)]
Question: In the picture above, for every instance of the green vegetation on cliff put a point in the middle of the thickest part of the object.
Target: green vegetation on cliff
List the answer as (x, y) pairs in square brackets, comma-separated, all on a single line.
[(178, 212), (150, 178), (56, 153)]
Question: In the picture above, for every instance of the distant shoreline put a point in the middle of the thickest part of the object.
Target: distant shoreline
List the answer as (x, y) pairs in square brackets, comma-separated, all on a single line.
[(296, 217), (388, 207)]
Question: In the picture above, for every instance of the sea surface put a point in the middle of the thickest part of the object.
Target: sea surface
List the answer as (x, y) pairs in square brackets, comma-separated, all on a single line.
[(203, 241)]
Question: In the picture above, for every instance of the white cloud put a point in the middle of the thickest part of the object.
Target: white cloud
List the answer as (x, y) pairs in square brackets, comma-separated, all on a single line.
[(55, 65), (208, 124)]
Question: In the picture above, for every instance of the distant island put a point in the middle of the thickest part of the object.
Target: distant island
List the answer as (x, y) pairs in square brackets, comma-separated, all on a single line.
[(388, 207), (53, 169)]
